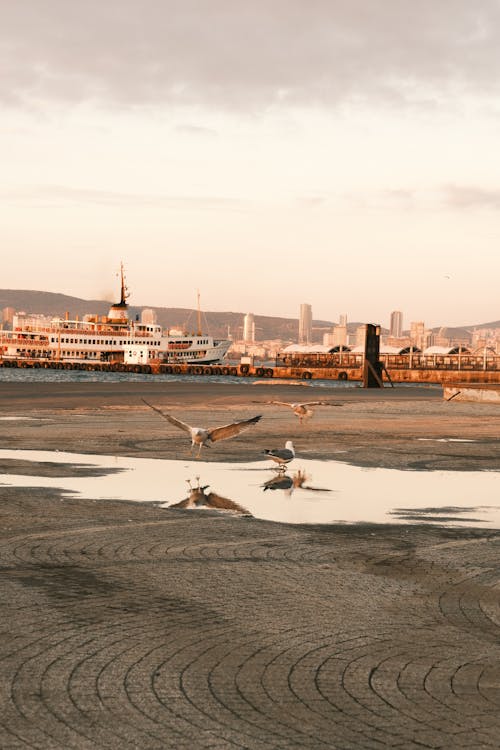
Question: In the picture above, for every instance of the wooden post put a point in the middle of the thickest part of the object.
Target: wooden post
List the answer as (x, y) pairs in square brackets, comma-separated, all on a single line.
[(372, 370)]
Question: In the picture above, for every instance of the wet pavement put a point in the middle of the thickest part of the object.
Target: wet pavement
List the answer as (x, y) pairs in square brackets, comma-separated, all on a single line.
[(306, 492), (128, 625)]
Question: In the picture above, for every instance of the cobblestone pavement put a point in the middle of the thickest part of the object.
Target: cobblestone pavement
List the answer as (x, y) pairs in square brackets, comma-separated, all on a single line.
[(131, 627), (162, 629)]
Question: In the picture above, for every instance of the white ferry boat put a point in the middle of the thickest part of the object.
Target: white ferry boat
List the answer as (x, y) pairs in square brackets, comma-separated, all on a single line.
[(111, 338)]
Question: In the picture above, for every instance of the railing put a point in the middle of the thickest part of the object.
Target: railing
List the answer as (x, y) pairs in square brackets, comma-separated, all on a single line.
[(396, 361)]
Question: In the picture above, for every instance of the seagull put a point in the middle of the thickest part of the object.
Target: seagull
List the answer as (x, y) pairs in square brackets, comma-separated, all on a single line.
[(199, 498), (282, 456), (200, 436), (302, 410)]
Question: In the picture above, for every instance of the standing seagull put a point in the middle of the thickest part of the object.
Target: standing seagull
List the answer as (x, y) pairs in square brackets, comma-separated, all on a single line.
[(282, 456), (200, 436), (302, 410)]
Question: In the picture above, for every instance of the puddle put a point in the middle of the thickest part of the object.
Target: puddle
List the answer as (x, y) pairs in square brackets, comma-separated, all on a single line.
[(309, 492)]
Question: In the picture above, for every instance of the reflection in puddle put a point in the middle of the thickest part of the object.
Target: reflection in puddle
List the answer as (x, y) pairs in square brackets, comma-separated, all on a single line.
[(319, 492), (288, 483), (444, 514), (279, 482), (199, 498)]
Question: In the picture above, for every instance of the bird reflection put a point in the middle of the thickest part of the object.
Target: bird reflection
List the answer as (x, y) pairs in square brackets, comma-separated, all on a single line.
[(280, 482), (300, 477), (199, 498), (289, 483)]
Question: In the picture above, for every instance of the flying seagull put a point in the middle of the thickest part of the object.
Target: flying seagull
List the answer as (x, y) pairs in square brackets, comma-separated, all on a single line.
[(282, 456), (303, 410), (200, 436)]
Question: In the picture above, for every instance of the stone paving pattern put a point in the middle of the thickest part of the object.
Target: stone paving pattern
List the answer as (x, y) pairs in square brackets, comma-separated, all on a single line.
[(133, 627), (170, 629)]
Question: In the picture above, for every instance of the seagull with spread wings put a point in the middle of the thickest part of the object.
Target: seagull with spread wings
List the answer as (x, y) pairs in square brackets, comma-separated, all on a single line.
[(303, 410), (201, 436)]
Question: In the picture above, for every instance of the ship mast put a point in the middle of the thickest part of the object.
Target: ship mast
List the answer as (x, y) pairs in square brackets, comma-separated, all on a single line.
[(199, 313), (124, 292)]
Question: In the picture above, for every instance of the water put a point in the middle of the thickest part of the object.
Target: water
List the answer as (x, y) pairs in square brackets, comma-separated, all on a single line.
[(12, 375), (318, 492)]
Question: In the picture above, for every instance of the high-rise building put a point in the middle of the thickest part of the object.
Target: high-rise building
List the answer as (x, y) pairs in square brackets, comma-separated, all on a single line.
[(396, 327), (340, 335), (343, 320), (249, 328), (361, 335), (336, 337), (305, 324)]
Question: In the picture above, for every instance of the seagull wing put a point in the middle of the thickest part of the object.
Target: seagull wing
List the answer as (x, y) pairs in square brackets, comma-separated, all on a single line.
[(223, 503), (281, 403), (319, 403), (284, 453), (172, 420), (229, 430)]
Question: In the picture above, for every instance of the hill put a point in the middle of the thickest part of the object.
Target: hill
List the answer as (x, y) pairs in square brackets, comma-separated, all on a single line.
[(217, 323)]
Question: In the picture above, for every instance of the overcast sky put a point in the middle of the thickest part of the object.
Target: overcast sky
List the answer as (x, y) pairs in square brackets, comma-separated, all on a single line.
[(343, 153)]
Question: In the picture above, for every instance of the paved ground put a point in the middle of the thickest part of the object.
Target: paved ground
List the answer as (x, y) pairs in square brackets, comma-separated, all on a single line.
[(128, 626)]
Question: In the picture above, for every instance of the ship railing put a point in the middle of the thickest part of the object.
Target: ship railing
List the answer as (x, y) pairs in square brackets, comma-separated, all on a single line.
[(17, 341)]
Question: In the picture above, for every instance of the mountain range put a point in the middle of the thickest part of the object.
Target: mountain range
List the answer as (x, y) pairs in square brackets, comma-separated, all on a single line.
[(216, 323)]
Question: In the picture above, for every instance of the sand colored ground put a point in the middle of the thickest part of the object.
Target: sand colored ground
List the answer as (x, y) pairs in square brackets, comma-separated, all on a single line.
[(129, 626)]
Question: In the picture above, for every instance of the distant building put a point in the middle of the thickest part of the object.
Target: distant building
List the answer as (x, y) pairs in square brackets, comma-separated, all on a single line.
[(28, 320), (421, 336), (396, 327), (249, 328), (149, 317), (343, 320), (305, 324), (360, 335), (8, 316), (337, 337)]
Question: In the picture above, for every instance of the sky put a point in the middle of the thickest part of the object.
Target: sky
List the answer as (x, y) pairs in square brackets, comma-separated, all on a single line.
[(343, 153)]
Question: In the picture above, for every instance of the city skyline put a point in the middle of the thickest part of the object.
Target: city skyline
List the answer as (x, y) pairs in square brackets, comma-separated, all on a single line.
[(333, 152)]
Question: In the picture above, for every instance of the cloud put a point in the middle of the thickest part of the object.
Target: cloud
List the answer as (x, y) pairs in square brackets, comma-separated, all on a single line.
[(470, 197), (246, 55), (62, 193)]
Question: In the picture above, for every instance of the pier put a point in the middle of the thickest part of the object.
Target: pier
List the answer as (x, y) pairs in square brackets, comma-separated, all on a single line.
[(342, 367)]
